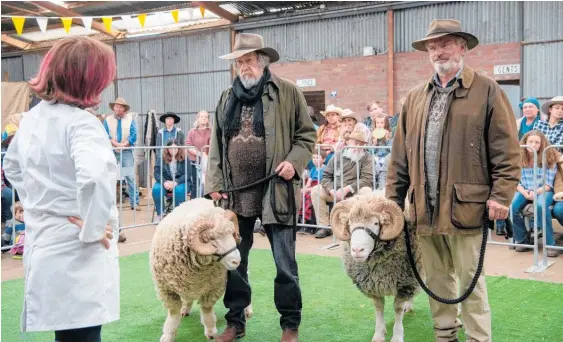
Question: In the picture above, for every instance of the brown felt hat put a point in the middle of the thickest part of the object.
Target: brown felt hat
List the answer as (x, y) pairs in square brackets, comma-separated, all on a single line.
[(120, 101), (250, 42), (443, 27)]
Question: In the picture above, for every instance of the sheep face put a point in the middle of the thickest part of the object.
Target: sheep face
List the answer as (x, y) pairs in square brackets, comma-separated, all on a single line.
[(369, 222), (215, 234)]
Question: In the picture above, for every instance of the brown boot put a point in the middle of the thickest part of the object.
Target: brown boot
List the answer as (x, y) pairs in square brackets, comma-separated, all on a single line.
[(121, 238), (290, 335), (230, 334), (552, 253)]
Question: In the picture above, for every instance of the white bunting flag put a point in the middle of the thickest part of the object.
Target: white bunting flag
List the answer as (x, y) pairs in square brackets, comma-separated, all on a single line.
[(126, 21), (42, 23), (87, 21)]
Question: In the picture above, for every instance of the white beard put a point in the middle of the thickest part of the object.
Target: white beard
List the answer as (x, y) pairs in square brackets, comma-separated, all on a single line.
[(444, 68), (354, 156), (249, 82)]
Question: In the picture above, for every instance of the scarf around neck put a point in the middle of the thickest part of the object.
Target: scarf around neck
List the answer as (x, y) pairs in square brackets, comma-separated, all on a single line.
[(240, 96)]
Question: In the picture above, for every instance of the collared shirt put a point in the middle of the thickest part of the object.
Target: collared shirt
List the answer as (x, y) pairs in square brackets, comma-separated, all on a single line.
[(132, 131), (167, 135), (527, 179), (553, 134), (451, 82)]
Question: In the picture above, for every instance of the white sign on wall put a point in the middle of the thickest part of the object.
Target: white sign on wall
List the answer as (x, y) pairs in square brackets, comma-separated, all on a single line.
[(506, 69), (308, 82)]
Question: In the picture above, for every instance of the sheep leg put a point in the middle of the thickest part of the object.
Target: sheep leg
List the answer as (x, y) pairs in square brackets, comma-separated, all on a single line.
[(173, 303), (209, 321), (398, 330), (186, 307), (248, 312), (409, 305), (380, 329)]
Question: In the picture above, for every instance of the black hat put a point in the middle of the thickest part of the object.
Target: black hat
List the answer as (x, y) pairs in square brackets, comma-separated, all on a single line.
[(169, 115)]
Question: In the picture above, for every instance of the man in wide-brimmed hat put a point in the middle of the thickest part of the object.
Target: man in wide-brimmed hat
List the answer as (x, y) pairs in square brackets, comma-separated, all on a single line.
[(261, 126), (330, 188), (169, 131), (456, 155), (327, 134), (122, 132), (552, 126)]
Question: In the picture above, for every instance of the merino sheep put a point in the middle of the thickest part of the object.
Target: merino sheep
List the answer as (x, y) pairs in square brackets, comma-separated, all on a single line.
[(192, 249), (375, 257)]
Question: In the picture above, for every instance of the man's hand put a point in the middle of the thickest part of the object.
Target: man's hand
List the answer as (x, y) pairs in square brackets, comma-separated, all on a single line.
[(286, 170), (108, 234), (217, 196), (497, 211)]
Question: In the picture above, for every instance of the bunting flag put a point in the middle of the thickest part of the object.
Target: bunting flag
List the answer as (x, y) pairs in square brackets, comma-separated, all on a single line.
[(87, 21), (18, 23), (175, 15), (202, 10), (67, 22), (142, 18), (107, 23), (42, 23)]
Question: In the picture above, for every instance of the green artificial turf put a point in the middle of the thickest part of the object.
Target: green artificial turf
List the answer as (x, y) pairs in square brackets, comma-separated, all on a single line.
[(333, 309)]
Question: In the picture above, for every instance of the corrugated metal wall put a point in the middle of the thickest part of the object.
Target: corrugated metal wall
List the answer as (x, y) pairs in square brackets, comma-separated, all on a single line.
[(327, 38), (543, 62), (13, 68), (492, 22)]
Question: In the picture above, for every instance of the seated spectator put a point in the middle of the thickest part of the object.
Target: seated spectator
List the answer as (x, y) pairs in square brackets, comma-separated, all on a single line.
[(16, 225), (357, 166), (174, 177), (350, 120), (328, 133), (382, 137), (315, 175), (553, 127), (7, 199), (530, 110), (375, 109), (526, 189)]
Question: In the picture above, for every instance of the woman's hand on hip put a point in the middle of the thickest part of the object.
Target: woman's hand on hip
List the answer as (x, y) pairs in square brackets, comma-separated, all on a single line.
[(108, 234)]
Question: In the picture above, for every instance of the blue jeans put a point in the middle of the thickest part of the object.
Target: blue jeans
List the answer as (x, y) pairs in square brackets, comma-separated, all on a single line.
[(6, 204), (129, 162), (159, 196), (518, 203)]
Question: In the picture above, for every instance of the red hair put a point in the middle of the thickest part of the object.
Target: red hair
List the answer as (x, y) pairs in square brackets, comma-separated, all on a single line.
[(75, 71)]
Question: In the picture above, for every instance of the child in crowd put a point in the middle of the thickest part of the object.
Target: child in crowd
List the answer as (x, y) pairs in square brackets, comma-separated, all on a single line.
[(382, 138), (528, 186), (17, 225), (315, 176)]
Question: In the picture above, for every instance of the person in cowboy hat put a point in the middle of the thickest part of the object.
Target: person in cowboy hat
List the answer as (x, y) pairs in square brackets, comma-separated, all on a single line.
[(453, 173), (328, 133), (261, 127), (122, 132), (552, 128), (169, 131), (329, 189)]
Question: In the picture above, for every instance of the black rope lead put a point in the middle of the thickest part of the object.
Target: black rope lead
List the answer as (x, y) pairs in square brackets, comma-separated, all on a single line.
[(467, 293)]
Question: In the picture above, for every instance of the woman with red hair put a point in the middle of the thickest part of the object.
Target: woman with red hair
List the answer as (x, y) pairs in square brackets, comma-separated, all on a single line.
[(62, 165)]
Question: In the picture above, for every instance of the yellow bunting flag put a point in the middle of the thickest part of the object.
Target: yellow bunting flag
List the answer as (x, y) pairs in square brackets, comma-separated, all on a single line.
[(142, 18), (202, 10), (107, 23), (175, 15), (18, 23), (67, 22)]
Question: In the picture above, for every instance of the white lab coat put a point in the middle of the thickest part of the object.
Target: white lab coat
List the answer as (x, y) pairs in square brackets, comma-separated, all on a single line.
[(61, 163)]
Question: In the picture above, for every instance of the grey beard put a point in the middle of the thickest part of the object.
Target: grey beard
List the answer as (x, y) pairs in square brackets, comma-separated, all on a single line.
[(249, 82), (353, 156)]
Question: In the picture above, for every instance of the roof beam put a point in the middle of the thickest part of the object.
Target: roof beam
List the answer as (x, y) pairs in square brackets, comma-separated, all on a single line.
[(15, 42), (68, 13), (15, 8), (215, 8)]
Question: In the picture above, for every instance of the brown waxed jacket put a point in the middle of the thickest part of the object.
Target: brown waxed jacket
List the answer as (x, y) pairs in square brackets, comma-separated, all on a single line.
[(290, 136), (465, 182)]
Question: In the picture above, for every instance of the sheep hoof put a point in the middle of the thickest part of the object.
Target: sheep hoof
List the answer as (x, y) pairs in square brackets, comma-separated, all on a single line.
[(167, 338), (397, 338), (210, 334), (378, 337), (248, 312)]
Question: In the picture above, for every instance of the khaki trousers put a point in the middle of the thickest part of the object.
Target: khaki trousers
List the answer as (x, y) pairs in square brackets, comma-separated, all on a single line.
[(319, 197), (443, 257)]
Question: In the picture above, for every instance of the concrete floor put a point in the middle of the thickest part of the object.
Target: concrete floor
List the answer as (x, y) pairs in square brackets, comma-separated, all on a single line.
[(499, 260)]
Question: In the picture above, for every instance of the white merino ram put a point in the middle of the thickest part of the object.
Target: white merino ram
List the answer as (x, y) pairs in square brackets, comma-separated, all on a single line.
[(192, 249), (375, 257)]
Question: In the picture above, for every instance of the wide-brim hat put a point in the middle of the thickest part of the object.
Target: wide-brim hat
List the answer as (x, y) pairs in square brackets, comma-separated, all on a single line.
[(120, 101), (169, 115), (443, 27), (250, 42), (358, 136), (555, 100), (348, 113), (332, 109)]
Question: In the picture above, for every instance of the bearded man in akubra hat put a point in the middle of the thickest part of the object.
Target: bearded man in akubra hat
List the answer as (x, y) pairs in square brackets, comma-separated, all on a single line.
[(261, 126), (456, 155)]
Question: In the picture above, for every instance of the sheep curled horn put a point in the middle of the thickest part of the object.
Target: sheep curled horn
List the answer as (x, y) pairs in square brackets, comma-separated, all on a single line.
[(206, 229)]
